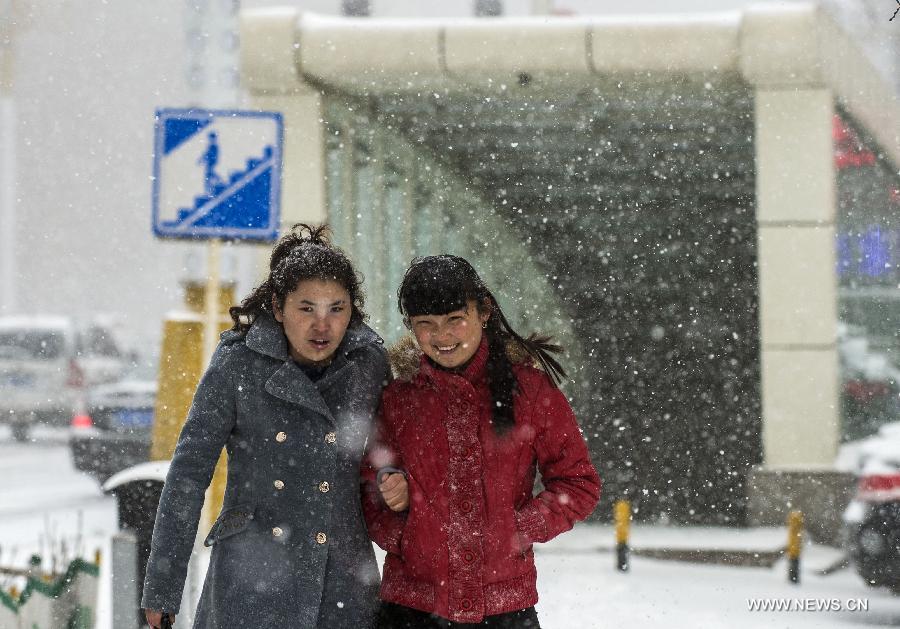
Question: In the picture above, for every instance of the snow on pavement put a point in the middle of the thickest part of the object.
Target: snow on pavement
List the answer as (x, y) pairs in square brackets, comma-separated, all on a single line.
[(45, 501), (577, 582), (579, 587)]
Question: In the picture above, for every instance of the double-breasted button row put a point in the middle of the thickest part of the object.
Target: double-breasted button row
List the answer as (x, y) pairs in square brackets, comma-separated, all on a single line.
[(321, 538)]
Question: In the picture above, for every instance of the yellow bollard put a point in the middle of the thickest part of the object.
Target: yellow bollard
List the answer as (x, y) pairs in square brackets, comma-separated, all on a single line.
[(97, 556), (622, 512), (180, 368), (794, 544)]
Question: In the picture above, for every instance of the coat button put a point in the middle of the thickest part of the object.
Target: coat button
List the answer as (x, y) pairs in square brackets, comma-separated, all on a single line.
[(277, 531), (466, 603), (469, 557), (279, 484), (466, 506), (324, 486), (281, 437), (321, 538), (330, 437)]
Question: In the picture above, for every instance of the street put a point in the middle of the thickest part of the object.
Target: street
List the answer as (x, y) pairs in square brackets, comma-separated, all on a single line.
[(50, 509)]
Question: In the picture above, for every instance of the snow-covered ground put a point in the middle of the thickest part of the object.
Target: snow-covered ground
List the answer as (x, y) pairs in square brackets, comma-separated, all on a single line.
[(45, 503), (579, 588)]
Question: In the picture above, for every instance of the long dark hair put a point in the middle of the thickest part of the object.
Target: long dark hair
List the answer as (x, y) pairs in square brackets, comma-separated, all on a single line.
[(304, 253), (436, 285)]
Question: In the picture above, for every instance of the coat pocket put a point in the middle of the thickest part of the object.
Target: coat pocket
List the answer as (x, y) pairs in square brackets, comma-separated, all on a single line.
[(231, 521)]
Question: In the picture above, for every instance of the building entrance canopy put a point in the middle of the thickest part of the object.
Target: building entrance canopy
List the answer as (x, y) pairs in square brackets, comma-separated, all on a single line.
[(640, 187)]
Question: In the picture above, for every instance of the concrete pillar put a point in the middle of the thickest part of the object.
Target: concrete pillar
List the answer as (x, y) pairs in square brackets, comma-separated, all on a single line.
[(270, 73), (795, 196), (781, 55), (271, 76)]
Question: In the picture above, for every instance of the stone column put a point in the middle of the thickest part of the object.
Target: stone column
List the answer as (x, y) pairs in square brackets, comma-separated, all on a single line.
[(271, 76), (795, 196), (795, 207), (270, 73)]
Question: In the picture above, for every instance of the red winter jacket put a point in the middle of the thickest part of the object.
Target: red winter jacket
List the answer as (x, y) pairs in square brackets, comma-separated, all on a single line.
[(463, 549)]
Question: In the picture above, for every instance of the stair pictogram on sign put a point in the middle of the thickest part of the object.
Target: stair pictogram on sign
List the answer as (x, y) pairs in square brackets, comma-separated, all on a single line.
[(217, 174)]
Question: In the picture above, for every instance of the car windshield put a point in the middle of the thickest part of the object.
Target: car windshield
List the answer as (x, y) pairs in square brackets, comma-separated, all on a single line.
[(98, 342), (31, 344)]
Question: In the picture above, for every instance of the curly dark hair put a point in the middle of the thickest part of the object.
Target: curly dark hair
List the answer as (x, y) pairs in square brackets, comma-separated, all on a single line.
[(436, 285), (304, 253)]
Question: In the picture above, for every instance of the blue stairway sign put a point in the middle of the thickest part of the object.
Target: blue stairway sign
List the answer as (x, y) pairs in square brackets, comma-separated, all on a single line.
[(217, 174)]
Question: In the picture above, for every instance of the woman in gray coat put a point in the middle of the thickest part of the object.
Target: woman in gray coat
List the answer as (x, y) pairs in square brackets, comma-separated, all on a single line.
[(290, 393)]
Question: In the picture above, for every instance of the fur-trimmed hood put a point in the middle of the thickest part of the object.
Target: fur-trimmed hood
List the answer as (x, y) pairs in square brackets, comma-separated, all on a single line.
[(406, 357)]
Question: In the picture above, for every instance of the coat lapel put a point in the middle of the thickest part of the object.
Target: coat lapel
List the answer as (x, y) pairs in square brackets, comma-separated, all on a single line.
[(289, 383), (342, 368), (338, 371)]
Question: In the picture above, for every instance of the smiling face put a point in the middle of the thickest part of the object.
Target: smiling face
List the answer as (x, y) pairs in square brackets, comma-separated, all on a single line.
[(315, 317), (450, 339)]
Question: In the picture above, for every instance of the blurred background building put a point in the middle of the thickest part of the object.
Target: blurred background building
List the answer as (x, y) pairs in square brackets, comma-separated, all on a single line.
[(699, 198)]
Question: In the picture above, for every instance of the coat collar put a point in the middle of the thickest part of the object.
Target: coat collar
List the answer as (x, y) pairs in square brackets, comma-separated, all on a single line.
[(266, 336), (408, 362), (473, 373)]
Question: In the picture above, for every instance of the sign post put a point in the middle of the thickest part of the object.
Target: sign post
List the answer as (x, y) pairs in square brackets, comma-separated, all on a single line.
[(211, 300)]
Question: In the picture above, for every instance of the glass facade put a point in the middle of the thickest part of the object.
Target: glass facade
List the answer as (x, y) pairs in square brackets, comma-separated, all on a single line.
[(868, 269)]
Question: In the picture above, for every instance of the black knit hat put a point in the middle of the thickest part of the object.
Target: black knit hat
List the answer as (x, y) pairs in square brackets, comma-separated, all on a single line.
[(436, 285)]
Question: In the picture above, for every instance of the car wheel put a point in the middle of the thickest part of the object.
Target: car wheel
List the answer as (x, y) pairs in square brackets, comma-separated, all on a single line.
[(878, 547)]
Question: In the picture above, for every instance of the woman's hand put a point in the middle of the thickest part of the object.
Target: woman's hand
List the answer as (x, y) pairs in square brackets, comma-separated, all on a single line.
[(395, 491), (154, 618)]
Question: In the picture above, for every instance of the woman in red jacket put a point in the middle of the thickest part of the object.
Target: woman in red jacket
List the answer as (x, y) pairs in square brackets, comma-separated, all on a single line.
[(469, 422)]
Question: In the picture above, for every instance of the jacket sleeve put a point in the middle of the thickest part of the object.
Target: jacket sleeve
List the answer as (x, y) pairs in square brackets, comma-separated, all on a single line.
[(385, 526), (571, 483), (209, 422)]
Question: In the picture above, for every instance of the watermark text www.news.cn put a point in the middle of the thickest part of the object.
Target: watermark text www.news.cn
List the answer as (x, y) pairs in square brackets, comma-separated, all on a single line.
[(808, 604)]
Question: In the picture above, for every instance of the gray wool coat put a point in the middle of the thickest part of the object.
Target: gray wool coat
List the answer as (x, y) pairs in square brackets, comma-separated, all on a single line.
[(290, 547)]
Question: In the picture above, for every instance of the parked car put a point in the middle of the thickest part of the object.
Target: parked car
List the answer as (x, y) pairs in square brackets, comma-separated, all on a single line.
[(114, 430), (872, 519), (870, 384), (45, 364)]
